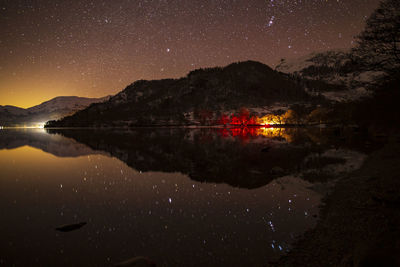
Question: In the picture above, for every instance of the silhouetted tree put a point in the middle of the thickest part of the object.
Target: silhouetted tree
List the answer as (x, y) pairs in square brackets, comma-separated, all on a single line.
[(379, 43)]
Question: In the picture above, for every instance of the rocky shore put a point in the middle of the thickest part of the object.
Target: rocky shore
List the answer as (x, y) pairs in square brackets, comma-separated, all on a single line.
[(359, 223)]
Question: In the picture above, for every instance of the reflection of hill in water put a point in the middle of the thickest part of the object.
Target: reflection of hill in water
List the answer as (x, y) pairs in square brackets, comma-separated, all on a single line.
[(208, 155), (38, 138)]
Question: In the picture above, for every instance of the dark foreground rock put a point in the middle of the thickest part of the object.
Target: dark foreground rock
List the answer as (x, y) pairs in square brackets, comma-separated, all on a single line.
[(359, 224), (70, 227)]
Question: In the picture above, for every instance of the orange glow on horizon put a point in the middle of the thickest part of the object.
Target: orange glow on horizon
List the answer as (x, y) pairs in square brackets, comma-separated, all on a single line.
[(39, 88)]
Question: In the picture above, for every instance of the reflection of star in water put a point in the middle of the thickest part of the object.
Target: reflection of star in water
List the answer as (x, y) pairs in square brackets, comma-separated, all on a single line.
[(271, 21)]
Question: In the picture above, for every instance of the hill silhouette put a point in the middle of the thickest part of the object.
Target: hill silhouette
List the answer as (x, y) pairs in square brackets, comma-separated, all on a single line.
[(184, 101)]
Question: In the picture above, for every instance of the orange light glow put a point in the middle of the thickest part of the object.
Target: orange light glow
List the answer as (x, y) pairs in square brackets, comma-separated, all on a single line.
[(270, 120)]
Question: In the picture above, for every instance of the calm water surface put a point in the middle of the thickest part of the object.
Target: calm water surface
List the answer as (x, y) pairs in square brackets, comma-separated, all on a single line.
[(179, 197)]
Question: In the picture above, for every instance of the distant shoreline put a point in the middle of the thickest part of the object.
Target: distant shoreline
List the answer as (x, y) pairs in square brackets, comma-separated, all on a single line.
[(191, 126)]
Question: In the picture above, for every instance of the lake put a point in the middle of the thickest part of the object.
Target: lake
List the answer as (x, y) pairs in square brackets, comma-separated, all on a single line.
[(181, 197)]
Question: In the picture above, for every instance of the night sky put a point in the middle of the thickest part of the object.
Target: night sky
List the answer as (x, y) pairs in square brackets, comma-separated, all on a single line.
[(95, 48)]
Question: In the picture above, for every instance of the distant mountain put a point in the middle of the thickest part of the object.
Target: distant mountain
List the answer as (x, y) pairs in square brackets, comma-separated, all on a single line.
[(203, 95), (337, 74), (53, 109)]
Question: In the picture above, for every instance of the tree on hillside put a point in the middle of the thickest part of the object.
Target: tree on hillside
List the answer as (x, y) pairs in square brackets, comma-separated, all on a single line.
[(379, 43)]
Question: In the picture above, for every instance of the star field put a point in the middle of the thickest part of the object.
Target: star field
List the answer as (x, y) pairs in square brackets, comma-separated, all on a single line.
[(96, 48)]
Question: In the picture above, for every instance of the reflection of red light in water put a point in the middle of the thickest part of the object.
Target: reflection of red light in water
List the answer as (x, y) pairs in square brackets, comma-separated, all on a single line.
[(242, 132), (224, 132), (245, 133), (239, 132)]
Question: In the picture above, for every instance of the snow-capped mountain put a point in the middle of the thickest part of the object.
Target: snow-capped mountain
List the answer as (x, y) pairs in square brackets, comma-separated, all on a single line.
[(53, 109), (13, 110), (72, 103), (347, 80)]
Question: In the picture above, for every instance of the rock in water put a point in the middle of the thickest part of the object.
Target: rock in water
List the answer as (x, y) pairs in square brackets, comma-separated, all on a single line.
[(137, 262), (70, 227)]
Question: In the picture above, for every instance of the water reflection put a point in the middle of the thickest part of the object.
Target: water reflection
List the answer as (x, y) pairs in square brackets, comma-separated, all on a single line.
[(142, 193), (38, 138), (247, 133), (250, 159)]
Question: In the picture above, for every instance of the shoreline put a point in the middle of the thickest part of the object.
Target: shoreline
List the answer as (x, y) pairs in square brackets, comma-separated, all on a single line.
[(358, 224), (192, 126)]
